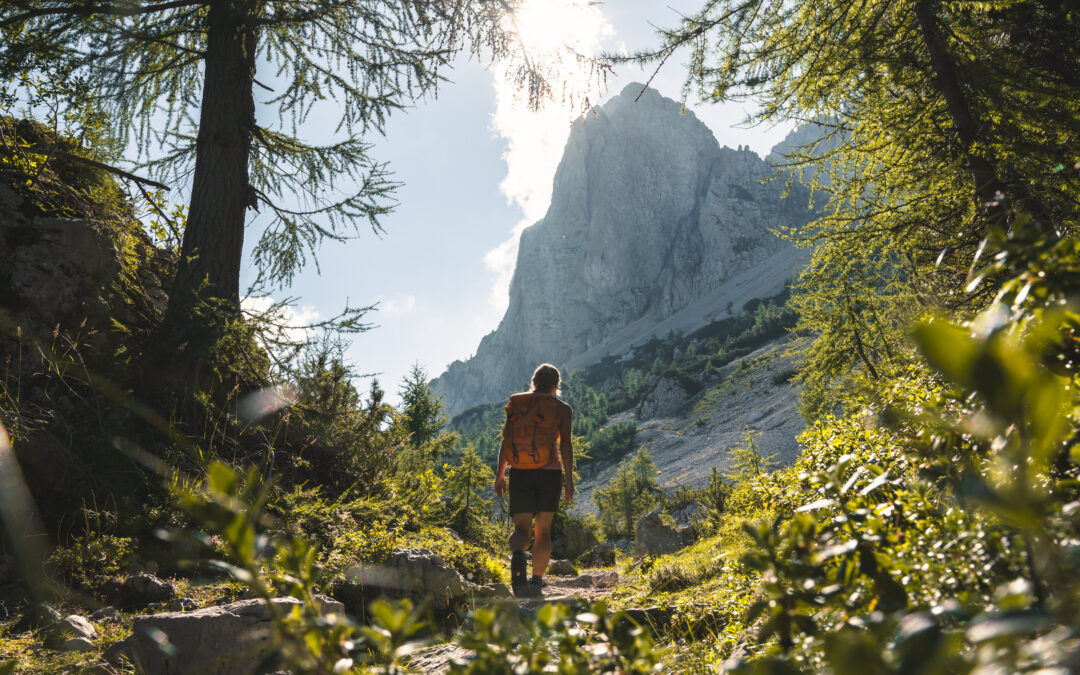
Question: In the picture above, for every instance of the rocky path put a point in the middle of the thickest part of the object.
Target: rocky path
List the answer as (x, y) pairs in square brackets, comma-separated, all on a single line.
[(583, 589)]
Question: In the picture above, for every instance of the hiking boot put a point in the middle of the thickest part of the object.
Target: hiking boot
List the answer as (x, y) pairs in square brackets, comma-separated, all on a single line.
[(518, 581), (536, 587)]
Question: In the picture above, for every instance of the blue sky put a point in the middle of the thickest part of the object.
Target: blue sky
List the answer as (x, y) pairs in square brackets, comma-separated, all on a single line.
[(439, 272)]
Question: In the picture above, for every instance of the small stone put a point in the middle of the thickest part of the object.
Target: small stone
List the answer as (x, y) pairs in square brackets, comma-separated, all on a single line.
[(106, 615), (79, 626), (71, 626), (598, 579), (156, 607), (36, 615), (79, 644), (602, 555), (562, 568), (147, 588), (496, 590), (655, 537), (183, 605)]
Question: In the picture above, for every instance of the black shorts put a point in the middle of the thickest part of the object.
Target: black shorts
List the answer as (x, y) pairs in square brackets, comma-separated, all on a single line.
[(535, 490)]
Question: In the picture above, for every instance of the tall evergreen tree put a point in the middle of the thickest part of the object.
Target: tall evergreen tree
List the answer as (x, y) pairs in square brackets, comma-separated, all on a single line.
[(747, 462), (181, 76), (465, 488), (630, 494), (422, 420)]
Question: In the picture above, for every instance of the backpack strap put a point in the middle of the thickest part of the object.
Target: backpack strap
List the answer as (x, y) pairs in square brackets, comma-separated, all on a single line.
[(513, 413)]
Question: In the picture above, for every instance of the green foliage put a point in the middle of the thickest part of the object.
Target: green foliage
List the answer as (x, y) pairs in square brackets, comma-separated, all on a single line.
[(612, 443), (499, 640), (914, 164), (349, 445), (747, 462), (465, 487), (714, 499), (930, 544), (592, 641), (421, 421), (90, 560), (136, 66), (630, 494)]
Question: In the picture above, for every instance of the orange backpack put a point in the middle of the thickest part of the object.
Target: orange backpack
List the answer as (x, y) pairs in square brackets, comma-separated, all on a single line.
[(532, 419)]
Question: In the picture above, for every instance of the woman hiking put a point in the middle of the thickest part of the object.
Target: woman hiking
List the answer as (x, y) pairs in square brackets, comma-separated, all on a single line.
[(536, 423)]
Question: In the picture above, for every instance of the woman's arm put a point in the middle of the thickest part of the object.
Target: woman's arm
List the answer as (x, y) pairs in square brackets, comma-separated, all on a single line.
[(566, 452)]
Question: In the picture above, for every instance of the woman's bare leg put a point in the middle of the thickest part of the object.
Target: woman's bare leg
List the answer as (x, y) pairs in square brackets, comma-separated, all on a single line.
[(541, 550)]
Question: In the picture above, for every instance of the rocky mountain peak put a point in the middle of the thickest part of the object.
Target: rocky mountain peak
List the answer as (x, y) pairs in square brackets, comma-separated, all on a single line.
[(652, 227)]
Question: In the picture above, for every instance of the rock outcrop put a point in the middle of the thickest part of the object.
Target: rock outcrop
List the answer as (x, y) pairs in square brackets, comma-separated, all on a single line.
[(230, 639), (652, 536), (650, 222), (415, 573)]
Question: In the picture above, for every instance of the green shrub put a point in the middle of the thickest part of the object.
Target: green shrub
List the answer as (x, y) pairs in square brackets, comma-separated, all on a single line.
[(611, 443), (474, 562), (90, 560), (632, 492)]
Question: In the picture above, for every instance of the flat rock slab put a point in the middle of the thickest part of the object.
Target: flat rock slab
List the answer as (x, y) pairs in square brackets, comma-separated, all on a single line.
[(228, 639), (437, 659), (598, 579)]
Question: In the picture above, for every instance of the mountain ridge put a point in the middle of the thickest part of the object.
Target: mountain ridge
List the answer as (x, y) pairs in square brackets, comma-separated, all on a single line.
[(651, 223)]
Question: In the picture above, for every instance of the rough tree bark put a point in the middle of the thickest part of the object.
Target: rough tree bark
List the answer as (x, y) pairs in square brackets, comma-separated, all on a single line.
[(221, 192), (988, 183)]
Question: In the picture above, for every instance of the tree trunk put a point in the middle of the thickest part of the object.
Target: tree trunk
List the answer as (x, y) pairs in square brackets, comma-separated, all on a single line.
[(987, 182), (220, 193)]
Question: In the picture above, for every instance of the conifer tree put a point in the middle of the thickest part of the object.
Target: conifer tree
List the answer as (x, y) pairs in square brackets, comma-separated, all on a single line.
[(465, 489), (631, 493), (179, 79), (421, 419), (747, 462)]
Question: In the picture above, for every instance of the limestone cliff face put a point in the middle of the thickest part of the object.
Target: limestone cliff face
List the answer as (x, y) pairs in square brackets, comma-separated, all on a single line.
[(648, 216)]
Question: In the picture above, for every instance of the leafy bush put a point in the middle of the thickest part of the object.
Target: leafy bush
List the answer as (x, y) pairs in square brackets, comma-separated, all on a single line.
[(612, 442), (592, 641), (90, 560), (475, 563)]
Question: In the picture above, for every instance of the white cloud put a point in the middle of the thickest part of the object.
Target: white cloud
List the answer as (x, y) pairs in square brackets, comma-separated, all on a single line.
[(552, 31), (396, 307), (291, 321)]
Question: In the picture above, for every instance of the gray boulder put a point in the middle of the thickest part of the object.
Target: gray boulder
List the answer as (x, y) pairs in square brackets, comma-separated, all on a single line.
[(418, 574), (141, 589), (654, 537), (183, 605), (574, 539), (35, 616), (687, 514), (597, 579), (231, 639), (70, 627), (78, 644), (106, 615), (602, 555), (562, 568)]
